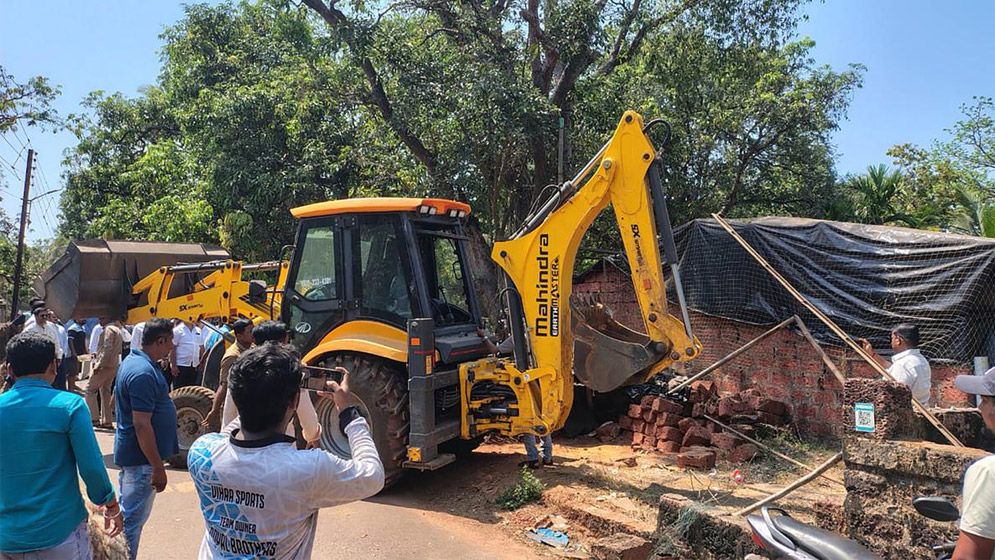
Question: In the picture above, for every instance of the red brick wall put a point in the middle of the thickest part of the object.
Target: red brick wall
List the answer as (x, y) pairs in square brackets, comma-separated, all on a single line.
[(784, 365)]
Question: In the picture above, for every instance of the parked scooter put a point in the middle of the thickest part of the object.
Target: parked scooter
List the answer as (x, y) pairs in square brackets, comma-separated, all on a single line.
[(938, 509), (782, 536)]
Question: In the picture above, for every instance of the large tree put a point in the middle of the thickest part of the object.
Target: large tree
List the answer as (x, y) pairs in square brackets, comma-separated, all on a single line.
[(263, 106), (475, 91)]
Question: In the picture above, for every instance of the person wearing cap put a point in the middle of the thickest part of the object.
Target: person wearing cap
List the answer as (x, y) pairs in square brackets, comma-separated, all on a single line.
[(908, 366), (977, 516)]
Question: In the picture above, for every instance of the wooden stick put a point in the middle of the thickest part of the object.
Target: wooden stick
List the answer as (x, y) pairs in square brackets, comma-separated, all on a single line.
[(833, 327), (768, 449), (818, 348), (794, 485), (728, 357)]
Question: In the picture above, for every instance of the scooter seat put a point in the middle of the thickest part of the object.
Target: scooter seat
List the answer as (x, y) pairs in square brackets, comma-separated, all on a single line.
[(820, 543)]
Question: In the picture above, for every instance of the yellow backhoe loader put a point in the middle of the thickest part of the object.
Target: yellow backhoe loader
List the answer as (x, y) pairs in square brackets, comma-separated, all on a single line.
[(383, 287)]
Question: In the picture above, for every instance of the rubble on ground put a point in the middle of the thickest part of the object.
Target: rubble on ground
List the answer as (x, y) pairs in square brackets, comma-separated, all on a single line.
[(669, 426)]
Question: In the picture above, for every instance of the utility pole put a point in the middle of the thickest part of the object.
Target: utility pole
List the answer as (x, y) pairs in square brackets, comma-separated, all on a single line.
[(20, 236)]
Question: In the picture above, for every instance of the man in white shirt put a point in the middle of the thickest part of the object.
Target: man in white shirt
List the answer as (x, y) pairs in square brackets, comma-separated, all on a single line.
[(977, 517), (94, 343), (47, 328), (187, 353), (259, 495), (908, 366)]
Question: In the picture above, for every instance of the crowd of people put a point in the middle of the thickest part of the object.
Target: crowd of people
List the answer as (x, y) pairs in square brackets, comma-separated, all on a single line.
[(259, 494)]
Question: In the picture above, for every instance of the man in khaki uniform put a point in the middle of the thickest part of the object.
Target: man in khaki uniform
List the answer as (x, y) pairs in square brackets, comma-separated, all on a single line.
[(243, 341), (105, 364)]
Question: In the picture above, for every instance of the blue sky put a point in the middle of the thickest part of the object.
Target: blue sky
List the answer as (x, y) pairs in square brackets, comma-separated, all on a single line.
[(924, 59)]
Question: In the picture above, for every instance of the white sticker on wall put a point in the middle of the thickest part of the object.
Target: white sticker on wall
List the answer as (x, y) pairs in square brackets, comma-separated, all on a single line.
[(863, 415)]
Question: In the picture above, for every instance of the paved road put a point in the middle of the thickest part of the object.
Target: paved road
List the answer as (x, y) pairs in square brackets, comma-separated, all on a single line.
[(375, 529)]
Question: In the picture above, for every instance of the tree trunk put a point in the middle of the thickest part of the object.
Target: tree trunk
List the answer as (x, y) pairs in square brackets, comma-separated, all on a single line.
[(485, 272)]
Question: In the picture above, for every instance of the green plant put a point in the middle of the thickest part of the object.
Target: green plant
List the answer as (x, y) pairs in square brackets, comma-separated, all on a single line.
[(528, 489)]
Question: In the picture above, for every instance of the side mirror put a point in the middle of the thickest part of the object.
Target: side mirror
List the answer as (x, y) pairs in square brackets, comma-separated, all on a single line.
[(936, 508)]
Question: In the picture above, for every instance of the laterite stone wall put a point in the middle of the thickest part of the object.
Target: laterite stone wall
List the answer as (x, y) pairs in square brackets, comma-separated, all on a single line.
[(784, 365)]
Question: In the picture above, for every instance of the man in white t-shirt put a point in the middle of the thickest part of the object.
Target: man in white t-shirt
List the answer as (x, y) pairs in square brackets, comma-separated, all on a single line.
[(977, 518), (908, 366), (259, 495), (188, 349)]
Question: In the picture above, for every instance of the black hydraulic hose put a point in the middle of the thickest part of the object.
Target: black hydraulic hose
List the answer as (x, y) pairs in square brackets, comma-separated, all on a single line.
[(517, 323), (662, 214)]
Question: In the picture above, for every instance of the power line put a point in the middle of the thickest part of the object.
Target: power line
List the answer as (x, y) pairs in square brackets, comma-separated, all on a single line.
[(50, 210), (13, 147), (13, 169), (27, 139)]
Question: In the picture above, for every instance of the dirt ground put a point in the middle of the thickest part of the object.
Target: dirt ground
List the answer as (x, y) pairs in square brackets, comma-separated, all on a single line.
[(595, 488), (598, 488)]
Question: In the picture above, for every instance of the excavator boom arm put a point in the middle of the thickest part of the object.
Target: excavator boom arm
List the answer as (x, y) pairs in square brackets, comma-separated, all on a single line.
[(539, 263), (221, 293)]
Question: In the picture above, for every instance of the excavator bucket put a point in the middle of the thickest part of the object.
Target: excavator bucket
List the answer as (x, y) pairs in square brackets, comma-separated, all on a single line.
[(607, 354), (93, 278)]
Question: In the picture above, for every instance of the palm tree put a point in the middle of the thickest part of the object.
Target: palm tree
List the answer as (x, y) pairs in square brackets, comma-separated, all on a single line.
[(976, 214), (875, 196)]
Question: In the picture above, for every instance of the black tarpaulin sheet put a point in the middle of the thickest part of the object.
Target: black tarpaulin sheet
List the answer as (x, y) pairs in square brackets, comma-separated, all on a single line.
[(866, 278)]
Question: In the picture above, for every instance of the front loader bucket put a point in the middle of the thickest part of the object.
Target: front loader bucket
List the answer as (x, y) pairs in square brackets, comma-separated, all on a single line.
[(94, 277), (607, 354)]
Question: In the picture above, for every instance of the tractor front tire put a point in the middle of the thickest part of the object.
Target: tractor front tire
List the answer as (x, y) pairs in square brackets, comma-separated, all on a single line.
[(193, 403), (381, 388)]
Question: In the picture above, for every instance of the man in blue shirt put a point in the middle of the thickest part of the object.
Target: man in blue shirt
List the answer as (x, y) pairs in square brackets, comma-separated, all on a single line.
[(46, 437), (146, 428)]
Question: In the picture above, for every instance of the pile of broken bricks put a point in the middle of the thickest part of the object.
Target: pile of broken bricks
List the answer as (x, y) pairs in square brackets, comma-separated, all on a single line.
[(667, 426)]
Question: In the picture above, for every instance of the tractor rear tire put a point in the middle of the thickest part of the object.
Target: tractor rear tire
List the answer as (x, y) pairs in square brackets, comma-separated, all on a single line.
[(381, 387), (193, 403)]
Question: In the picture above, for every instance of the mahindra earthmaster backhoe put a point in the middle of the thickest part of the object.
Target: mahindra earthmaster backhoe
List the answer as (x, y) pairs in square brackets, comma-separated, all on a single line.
[(383, 287)]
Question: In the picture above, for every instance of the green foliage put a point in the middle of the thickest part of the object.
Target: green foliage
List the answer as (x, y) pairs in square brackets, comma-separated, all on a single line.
[(974, 213), (37, 257), (874, 196), (528, 489), (264, 106), (28, 103), (949, 187)]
